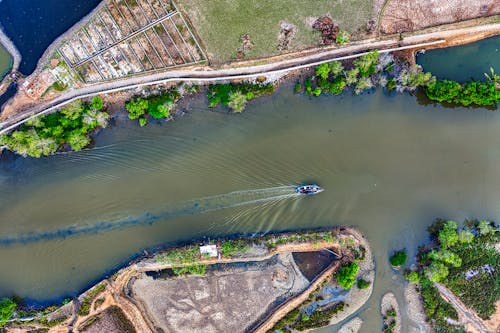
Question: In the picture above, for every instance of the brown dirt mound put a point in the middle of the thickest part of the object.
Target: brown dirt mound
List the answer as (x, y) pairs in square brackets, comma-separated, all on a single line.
[(328, 29)]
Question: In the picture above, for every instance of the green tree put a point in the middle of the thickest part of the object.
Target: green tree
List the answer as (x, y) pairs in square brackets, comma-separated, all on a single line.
[(447, 257), (323, 70), (346, 276), (237, 101), (162, 110), (443, 90), (317, 91), (7, 308), (398, 258), (485, 227), (363, 284), (436, 271), (465, 237), (136, 107), (351, 76), (336, 68), (338, 85), (448, 235), (413, 277), (298, 88), (78, 140), (367, 64), (492, 77), (96, 103), (143, 121)]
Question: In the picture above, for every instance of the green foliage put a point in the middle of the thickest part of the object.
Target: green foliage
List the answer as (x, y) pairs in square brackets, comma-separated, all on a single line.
[(363, 284), (231, 247), (446, 256), (343, 37), (45, 135), (59, 86), (317, 91), (136, 107), (308, 86), (398, 258), (391, 84), (237, 101), (338, 85), (413, 277), (363, 84), (319, 318), (448, 235), (436, 271), (351, 76), (183, 260), (367, 64), (485, 227), (231, 93), (7, 308), (143, 121), (473, 92), (96, 103), (465, 237), (323, 70), (346, 276), (336, 68)]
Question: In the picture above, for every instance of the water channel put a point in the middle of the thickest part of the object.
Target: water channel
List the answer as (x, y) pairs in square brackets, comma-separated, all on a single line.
[(389, 166), (5, 62)]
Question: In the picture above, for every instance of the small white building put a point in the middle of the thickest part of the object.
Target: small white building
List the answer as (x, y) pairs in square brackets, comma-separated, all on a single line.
[(208, 250)]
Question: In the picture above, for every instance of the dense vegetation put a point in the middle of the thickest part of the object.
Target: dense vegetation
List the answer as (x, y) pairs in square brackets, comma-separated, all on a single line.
[(236, 95), (398, 258), (67, 128), (232, 247), (469, 93), (464, 260), (91, 295), (370, 70), (346, 276), (7, 307), (157, 106), (184, 260)]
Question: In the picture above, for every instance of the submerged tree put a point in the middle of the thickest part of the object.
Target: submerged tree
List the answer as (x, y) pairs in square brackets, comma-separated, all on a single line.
[(237, 101)]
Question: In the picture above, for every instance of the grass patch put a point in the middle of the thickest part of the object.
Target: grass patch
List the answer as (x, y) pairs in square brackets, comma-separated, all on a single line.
[(221, 24), (84, 309), (232, 247)]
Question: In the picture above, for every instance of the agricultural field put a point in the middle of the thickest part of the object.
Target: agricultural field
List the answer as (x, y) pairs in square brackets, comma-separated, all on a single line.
[(127, 37), (236, 29)]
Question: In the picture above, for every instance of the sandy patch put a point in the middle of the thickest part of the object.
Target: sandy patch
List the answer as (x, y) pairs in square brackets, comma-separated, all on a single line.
[(352, 326), (389, 302), (415, 311)]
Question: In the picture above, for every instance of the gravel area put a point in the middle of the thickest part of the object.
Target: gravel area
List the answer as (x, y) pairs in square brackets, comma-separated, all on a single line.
[(352, 326), (389, 301)]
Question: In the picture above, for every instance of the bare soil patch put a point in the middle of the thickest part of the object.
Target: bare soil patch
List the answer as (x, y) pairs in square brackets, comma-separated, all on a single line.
[(409, 15), (111, 320), (227, 300)]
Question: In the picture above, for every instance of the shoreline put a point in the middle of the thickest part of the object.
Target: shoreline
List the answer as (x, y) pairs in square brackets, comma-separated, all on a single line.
[(416, 41), (9, 45), (119, 281)]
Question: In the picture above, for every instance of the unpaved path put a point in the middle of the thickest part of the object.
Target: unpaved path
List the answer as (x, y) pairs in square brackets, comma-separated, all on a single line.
[(465, 314)]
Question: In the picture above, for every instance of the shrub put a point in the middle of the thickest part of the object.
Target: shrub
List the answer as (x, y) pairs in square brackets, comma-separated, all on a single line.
[(448, 235), (363, 284), (343, 37), (237, 101), (298, 88), (346, 276), (7, 307), (232, 247), (398, 258), (136, 107), (413, 277)]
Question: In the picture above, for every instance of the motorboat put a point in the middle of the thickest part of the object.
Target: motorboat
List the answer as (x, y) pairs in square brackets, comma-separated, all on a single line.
[(308, 189)]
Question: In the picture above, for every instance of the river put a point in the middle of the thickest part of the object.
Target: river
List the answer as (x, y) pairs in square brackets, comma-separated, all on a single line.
[(5, 62), (389, 166)]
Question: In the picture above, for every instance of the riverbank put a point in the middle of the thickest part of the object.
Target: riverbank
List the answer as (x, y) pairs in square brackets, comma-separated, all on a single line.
[(245, 258), (15, 113), (11, 48)]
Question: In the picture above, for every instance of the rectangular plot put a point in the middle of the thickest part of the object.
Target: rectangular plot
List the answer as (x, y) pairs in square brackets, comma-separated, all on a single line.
[(111, 25), (150, 51), (172, 31), (86, 42), (117, 16), (134, 62), (169, 44), (158, 8), (127, 14), (95, 37), (77, 47), (168, 5), (139, 51), (162, 52), (111, 64), (181, 26), (88, 72), (99, 26), (68, 53), (138, 12), (148, 10), (103, 68), (123, 62)]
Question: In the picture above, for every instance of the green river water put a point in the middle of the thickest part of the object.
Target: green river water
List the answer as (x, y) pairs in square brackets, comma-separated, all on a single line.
[(389, 166)]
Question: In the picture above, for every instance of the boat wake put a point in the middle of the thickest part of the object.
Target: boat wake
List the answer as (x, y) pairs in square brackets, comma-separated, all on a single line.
[(192, 207)]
